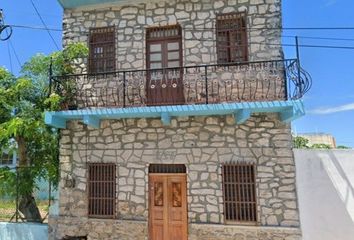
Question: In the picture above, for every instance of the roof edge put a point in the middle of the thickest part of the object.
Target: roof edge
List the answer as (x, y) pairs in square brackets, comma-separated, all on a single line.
[(69, 4)]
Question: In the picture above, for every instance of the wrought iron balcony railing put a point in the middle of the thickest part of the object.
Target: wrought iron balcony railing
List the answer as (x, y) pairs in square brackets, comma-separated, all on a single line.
[(206, 84)]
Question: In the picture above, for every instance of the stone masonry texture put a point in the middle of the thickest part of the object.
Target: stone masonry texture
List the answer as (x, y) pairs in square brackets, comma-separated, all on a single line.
[(202, 144), (197, 20)]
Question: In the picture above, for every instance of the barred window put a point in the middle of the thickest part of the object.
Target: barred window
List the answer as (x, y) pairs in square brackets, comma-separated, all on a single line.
[(102, 47), (231, 38), (102, 190), (239, 193)]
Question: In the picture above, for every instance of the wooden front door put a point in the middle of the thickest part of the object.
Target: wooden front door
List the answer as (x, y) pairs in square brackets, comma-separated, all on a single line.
[(167, 207), (164, 50)]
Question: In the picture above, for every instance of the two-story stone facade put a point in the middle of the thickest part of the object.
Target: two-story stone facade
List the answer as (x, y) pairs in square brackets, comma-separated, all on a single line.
[(181, 124)]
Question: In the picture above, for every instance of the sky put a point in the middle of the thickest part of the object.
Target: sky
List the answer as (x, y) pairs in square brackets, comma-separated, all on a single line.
[(330, 102)]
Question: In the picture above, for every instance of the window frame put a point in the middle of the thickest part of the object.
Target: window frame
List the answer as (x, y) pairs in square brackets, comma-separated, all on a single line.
[(11, 158), (240, 18), (165, 39), (249, 222), (90, 214), (110, 43)]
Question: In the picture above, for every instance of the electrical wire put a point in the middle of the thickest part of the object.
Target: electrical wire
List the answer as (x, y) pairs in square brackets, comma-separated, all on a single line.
[(306, 45), (319, 38), (286, 36), (36, 28), (9, 54), (45, 26), (15, 53), (201, 28)]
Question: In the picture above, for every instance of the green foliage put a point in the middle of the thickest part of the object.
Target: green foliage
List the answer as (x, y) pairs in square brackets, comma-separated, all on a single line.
[(23, 101), (300, 142), (321, 146), (343, 147)]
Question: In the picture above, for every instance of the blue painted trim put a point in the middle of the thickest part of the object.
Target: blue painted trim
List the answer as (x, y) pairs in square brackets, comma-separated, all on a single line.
[(241, 116), (80, 3), (91, 121), (289, 110), (55, 121), (165, 118), (292, 113)]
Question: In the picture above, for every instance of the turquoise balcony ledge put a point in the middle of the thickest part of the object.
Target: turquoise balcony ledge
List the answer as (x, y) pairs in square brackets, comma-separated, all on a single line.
[(288, 111)]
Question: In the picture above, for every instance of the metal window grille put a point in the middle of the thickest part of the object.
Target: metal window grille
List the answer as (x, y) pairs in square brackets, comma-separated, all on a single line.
[(102, 46), (102, 190), (239, 192), (231, 37), (165, 32), (167, 168)]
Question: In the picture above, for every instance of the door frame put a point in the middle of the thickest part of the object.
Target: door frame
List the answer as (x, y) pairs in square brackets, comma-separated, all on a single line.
[(150, 200), (164, 59)]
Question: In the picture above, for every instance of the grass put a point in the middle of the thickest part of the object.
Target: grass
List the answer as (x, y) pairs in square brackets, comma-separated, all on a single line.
[(8, 209)]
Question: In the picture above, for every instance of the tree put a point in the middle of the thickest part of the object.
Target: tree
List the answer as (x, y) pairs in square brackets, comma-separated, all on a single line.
[(23, 101), (320, 146), (343, 147), (300, 142)]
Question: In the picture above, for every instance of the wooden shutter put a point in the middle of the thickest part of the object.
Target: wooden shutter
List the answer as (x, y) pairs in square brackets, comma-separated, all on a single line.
[(231, 38), (102, 190), (102, 46), (240, 204)]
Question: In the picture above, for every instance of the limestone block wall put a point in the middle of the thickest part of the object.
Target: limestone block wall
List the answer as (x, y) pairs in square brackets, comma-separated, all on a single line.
[(196, 17), (202, 144)]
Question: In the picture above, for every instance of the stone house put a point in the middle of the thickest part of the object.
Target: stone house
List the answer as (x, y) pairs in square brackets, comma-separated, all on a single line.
[(178, 125)]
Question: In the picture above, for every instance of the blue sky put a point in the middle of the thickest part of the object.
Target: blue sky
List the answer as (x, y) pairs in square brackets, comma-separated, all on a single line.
[(330, 102)]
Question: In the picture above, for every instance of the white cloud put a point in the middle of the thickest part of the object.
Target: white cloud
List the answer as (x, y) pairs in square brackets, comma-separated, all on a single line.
[(330, 3), (342, 108)]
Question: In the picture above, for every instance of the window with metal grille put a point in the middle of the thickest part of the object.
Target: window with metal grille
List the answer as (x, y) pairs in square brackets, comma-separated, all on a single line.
[(167, 168), (102, 190), (231, 37), (239, 192), (102, 48)]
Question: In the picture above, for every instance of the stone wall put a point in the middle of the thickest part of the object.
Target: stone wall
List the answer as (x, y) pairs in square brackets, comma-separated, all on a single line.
[(196, 17), (202, 144), (138, 230)]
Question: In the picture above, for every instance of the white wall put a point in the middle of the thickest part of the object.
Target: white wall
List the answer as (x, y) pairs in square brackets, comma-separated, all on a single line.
[(325, 183), (23, 231)]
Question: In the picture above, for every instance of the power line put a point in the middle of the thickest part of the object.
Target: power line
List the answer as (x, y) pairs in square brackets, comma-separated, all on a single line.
[(287, 45), (320, 38), (45, 26), (15, 53), (36, 28), (203, 28), (9, 54), (309, 46)]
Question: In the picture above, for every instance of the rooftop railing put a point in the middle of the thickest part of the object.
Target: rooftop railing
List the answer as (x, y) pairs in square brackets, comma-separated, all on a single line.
[(204, 84)]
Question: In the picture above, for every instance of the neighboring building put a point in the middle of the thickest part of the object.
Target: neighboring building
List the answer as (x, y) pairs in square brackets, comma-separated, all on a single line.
[(198, 146), (319, 138), (7, 159), (325, 180)]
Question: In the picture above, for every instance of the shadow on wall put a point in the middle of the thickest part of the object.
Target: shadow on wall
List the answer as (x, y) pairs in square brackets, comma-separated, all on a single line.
[(341, 180), (325, 180)]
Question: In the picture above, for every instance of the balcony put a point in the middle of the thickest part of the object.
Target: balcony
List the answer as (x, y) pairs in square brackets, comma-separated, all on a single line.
[(194, 90)]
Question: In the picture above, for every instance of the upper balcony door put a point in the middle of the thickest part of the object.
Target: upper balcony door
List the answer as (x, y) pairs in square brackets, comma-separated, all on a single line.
[(164, 50)]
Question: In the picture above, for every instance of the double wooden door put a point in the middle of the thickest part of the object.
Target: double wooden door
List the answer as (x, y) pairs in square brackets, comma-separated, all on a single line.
[(167, 207), (164, 64)]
